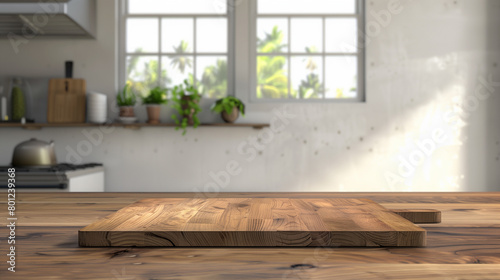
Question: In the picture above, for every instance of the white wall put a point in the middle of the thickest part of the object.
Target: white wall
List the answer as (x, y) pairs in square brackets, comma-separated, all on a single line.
[(424, 63)]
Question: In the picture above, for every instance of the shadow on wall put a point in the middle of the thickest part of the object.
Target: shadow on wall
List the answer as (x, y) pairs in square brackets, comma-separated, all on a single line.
[(421, 69), (483, 159), (437, 86)]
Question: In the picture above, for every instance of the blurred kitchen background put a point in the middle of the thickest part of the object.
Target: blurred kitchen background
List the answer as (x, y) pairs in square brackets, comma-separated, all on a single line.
[(435, 66)]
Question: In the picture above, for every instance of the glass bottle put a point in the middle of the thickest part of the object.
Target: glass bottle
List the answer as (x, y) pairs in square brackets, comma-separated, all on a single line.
[(20, 100)]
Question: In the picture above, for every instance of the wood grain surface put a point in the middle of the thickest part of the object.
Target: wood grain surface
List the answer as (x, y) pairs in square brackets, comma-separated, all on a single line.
[(419, 216), (253, 222), (466, 245)]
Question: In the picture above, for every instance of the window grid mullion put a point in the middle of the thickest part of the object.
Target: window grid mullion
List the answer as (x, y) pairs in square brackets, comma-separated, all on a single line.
[(122, 80), (159, 52), (361, 90), (195, 49), (176, 15), (230, 58), (289, 58), (323, 54), (289, 54), (177, 54), (307, 15), (309, 54), (323, 58)]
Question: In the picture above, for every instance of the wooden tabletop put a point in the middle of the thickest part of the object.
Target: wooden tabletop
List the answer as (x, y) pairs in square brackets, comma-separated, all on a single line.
[(465, 245)]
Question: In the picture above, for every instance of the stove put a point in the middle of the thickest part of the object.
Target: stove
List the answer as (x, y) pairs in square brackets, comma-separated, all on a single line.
[(62, 177), (63, 167)]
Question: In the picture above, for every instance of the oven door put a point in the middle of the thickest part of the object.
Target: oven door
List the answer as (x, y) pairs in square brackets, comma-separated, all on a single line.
[(35, 181)]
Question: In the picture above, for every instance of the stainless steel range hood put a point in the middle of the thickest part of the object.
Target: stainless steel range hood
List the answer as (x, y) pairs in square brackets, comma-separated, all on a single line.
[(48, 18)]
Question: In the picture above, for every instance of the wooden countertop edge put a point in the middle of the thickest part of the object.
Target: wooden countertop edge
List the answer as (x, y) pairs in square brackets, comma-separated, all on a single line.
[(285, 194)]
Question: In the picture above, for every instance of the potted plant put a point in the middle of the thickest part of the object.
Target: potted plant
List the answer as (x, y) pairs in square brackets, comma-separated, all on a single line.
[(186, 100), (230, 108), (126, 101), (153, 102)]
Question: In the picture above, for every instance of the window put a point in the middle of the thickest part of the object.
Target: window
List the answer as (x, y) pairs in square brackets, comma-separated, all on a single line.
[(308, 50), (300, 50), (166, 42)]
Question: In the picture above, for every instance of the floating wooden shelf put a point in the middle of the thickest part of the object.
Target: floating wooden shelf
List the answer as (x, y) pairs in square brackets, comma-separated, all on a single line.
[(36, 126)]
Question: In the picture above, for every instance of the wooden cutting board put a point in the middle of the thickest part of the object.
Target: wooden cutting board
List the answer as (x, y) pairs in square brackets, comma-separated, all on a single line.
[(67, 101), (253, 222)]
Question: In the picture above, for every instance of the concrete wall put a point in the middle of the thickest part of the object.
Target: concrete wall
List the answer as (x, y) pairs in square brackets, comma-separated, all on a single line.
[(430, 122)]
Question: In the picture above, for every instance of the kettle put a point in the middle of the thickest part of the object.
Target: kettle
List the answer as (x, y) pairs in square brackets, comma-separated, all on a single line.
[(34, 153)]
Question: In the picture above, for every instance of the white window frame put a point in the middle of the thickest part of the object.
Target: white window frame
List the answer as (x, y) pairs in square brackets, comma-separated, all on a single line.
[(360, 54), (123, 54), (242, 53)]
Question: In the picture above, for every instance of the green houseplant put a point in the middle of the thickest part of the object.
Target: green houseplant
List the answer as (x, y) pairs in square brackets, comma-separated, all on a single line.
[(126, 101), (230, 108), (153, 102), (186, 100)]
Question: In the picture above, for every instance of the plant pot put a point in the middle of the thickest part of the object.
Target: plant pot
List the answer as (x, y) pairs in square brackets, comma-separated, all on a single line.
[(153, 114), (127, 112), (189, 116), (232, 117)]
